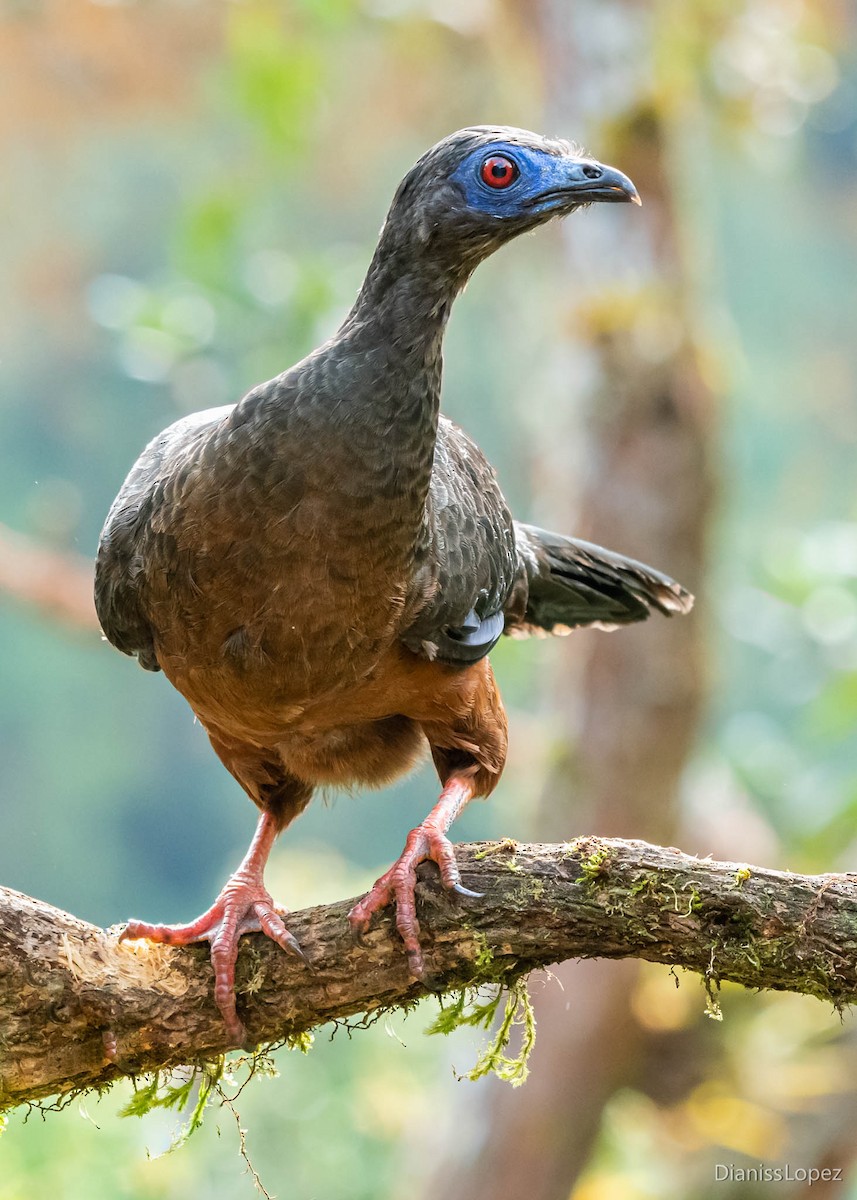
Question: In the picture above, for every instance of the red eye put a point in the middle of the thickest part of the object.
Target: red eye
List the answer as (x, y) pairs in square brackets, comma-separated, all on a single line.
[(499, 172)]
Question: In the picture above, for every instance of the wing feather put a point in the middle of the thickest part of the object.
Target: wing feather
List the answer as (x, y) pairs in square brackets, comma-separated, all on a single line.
[(124, 556), (564, 583)]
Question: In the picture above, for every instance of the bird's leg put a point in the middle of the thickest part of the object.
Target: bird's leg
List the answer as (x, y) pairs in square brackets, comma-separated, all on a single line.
[(243, 906), (427, 841)]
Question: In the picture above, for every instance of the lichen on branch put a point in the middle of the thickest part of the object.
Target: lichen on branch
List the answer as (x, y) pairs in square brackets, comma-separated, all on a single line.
[(79, 1009)]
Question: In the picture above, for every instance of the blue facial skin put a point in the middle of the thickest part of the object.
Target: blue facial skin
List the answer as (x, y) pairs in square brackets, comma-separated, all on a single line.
[(562, 182), (539, 172)]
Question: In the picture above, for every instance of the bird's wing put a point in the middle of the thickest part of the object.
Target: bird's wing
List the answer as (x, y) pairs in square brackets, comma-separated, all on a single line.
[(466, 562), (563, 583), (123, 556)]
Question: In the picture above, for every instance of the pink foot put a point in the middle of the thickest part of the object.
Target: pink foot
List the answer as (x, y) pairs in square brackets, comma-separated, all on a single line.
[(244, 906), (426, 842)]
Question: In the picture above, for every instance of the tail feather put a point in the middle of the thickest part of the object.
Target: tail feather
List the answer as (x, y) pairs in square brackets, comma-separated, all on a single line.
[(569, 582)]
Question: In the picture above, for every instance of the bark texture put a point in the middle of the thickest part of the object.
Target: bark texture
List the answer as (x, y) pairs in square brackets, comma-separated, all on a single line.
[(78, 1008)]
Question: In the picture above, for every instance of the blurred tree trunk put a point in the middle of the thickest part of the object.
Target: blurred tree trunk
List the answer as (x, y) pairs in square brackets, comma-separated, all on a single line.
[(632, 712)]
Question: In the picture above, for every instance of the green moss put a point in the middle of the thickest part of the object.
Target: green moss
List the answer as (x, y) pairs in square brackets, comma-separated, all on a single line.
[(594, 866), (751, 954), (463, 1010), (486, 968), (494, 1060), (161, 1091), (468, 1008), (485, 955), (301, 1041), (203, 1083), (506, 846)]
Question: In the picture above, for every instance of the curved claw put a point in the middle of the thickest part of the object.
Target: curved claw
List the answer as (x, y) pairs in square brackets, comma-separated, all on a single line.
[(270, 922), (359, 929), (461, 890), (416, 963), (295, 947), (291, 944), (398, 884)]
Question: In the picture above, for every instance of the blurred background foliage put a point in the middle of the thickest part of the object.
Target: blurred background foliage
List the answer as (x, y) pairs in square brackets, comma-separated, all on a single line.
[(191, 193)]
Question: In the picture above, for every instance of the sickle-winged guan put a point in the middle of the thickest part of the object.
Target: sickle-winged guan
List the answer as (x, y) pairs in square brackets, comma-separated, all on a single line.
[(323, 568)]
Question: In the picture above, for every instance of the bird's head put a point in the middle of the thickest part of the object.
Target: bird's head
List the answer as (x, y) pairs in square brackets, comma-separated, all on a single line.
[(481, 186)]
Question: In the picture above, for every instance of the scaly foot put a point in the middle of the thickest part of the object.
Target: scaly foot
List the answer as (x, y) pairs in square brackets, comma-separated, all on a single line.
[(424, 843), (244, 906)]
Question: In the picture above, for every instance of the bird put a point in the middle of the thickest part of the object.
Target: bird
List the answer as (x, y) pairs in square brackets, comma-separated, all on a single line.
[(322, 568)]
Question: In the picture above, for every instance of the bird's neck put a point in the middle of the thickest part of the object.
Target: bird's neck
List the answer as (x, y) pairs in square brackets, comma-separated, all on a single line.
[(404, 303), (395, 332), (384, 407)]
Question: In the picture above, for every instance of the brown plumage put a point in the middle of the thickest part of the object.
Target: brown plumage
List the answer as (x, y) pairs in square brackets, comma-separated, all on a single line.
[(322, 569)]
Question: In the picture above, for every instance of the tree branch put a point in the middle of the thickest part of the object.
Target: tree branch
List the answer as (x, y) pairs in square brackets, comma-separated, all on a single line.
[(78, 1008)]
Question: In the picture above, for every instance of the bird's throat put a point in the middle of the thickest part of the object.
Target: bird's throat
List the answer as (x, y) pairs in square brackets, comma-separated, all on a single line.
[(393, 339)]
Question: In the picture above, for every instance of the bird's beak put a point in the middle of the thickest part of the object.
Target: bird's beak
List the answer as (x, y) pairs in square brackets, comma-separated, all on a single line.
[(583, 180)]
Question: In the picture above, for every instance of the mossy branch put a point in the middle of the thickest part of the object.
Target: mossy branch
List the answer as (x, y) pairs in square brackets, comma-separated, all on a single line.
[(78, 1008)]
